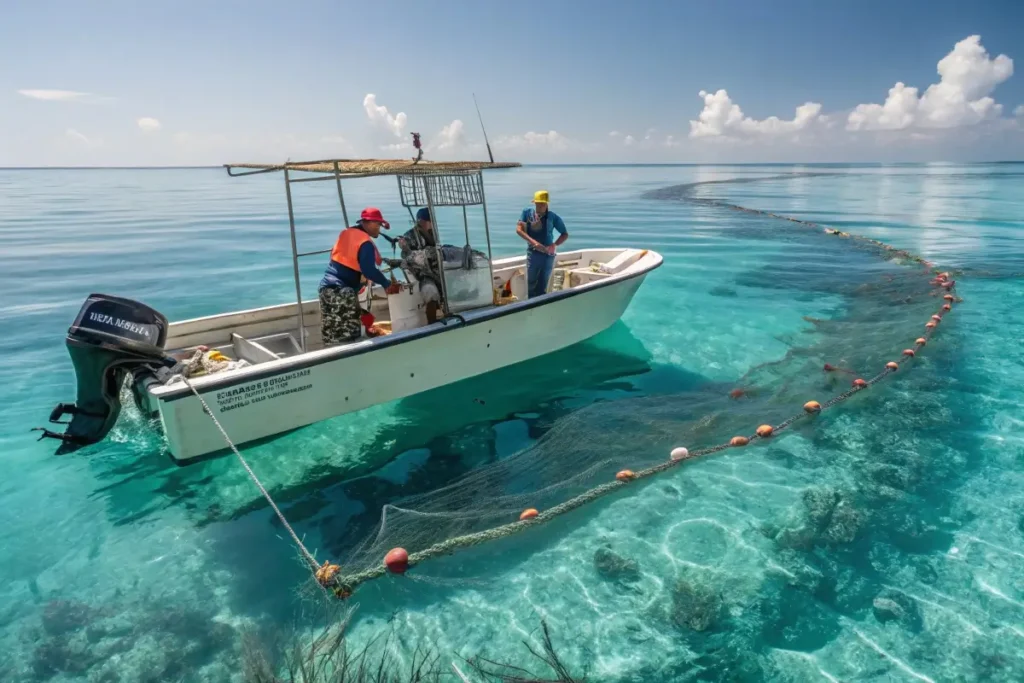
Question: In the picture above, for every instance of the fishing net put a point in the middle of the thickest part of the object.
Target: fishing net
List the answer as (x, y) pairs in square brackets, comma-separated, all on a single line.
[(612, 447)]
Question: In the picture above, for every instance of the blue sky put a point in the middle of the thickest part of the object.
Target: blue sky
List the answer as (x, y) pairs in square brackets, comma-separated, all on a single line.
[(127, 83)]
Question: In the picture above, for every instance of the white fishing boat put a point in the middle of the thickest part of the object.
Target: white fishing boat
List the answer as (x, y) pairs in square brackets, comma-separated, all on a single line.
[(280, 375)]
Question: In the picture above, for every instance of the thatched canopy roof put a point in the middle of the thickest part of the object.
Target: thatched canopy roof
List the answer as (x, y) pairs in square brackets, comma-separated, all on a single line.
[(368, 167)]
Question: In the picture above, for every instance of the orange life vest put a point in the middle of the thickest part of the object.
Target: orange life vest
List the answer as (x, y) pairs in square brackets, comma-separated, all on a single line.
[(346, 249)]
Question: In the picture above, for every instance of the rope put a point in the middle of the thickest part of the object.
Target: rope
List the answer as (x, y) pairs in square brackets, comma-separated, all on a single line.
[(308, 556), (344, 585)]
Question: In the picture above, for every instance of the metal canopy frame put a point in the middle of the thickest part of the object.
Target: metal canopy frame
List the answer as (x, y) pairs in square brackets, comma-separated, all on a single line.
[(437, 184), (458, 188)]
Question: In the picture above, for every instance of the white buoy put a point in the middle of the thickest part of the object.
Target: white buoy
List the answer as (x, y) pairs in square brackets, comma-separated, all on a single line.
[(679, 453)]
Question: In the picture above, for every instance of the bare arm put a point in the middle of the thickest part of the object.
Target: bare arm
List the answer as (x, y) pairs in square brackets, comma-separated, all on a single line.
[(521, 231)]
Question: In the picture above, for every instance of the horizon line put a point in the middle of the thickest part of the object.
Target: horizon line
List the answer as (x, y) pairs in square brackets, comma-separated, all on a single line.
[(559, 164)]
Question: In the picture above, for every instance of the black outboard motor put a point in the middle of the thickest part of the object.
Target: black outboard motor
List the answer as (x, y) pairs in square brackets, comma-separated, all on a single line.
[(110, 338)]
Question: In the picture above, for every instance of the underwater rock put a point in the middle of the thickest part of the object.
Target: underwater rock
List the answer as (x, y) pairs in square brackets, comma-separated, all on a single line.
[(730, 660), (891, 475), (798, 573), (910, 533), (844, 525), (888, 610), (723, 291), (887, 493), (826, 517), (64, 616), (107, 675), (695, 605), (611, 566), (892, 605), (925, 571), (994, 663), (853, 592), (61, 655)]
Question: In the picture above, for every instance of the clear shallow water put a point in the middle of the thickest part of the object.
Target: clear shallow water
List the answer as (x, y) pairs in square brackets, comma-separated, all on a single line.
[(119, 564)]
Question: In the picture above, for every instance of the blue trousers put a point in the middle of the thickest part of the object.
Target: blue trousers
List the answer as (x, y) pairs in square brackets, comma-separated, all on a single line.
[(538, 271)]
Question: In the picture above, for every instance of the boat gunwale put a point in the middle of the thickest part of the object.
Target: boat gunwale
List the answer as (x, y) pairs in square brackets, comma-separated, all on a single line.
[(321, 356)]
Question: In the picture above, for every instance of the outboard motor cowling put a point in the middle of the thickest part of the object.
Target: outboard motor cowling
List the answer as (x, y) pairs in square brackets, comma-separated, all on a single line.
[(110, 338)]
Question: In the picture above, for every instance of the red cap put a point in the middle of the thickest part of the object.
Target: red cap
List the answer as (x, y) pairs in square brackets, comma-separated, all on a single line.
[(371, 213)]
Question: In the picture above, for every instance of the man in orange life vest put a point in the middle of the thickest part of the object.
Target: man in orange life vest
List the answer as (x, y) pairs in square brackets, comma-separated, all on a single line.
[(354, 260)]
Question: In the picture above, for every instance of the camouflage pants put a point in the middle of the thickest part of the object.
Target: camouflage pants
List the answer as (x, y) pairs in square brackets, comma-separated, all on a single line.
[(339, 315)]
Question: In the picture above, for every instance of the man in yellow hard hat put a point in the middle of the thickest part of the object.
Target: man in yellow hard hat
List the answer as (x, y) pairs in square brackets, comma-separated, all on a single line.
[(537, 225)]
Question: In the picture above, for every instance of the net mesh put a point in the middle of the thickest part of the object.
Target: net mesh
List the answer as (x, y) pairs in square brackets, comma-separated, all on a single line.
[(888, 297)]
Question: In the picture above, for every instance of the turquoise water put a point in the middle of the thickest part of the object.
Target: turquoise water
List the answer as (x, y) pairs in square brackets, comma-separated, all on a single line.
[(120, 566)]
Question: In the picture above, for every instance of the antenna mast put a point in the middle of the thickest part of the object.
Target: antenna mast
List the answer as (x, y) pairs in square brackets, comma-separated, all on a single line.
[(489, 154)]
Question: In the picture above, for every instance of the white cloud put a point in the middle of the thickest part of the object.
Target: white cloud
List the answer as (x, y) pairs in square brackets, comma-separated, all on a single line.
[(614, 134), (61, 96), (961, 97), (552, 141), (451, 136), (148, 124), (721, 117), (81, 138), (628, 140), (1019, 111), (379, 115)]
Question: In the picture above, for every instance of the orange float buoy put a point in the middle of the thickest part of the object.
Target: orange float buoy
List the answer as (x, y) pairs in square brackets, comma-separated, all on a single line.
[(930, 324), (920, 341), (739, 441), (736, 393), (397, 560), (947, 307), (528, 513), (764, 431), (326, 573), (812, 407), (625, 475), (937, 318), (892, 365), (859, 383), (909, 352)]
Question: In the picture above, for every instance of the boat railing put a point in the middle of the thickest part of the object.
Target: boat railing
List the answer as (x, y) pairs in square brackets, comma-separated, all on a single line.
[(420, 183)]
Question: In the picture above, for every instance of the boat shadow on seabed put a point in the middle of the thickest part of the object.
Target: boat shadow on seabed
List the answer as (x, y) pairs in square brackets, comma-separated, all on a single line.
[(442, 433)]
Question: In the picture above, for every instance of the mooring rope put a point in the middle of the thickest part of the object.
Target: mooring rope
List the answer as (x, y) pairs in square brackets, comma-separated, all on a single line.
[(343, 585), (315, 567)]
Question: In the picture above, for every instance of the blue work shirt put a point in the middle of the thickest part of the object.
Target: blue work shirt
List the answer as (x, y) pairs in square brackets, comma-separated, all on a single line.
[(545, 231), (338, 275)]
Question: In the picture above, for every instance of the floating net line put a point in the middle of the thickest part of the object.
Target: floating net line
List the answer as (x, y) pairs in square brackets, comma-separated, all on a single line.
[(893, 302)]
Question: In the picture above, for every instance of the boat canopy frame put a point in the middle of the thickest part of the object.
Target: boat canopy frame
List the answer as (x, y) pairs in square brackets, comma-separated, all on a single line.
[(420, 183)]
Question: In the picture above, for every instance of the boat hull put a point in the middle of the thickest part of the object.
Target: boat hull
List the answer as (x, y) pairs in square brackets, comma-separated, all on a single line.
[(305, 389)]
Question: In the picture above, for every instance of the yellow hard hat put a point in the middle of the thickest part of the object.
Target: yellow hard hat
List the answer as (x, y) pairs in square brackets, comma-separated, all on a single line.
[(540, 197)]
